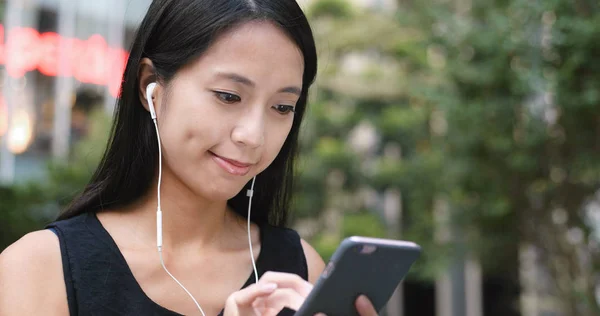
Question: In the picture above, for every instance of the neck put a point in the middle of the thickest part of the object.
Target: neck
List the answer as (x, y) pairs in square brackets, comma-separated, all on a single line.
[(187, 220)]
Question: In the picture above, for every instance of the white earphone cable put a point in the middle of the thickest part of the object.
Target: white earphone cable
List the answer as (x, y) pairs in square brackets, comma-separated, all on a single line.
[(250, 193), (159, 223)]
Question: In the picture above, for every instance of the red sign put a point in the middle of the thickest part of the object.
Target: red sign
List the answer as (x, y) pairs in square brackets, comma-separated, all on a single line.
[(89, 61)]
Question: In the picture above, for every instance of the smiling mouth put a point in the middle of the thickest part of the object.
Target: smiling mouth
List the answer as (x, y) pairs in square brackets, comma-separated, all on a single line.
[(231, 166)]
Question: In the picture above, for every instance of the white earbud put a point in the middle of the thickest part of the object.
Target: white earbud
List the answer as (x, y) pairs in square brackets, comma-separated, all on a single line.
[(249, 193), (149, 92)]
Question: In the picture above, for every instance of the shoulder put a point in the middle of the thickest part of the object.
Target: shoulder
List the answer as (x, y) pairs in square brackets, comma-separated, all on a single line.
[(35, 254), (31, 276), (315, 262)]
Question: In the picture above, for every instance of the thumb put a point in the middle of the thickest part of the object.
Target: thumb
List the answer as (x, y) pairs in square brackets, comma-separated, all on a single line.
[(365, 307)]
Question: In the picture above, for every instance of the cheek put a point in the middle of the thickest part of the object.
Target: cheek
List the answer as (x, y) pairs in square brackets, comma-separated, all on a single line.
[(275, 140), (201, 128), (191, 130)]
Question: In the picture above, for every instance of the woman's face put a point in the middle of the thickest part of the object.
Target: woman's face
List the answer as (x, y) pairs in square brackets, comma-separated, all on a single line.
[(225, 117)]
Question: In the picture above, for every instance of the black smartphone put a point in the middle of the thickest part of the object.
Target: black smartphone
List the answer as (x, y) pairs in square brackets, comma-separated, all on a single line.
[(360, 265)]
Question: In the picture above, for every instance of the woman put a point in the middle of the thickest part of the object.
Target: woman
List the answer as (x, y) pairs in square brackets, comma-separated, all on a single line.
[(226, 82)]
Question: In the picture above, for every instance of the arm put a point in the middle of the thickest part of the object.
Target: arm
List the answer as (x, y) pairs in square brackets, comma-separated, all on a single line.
[(31, 277)]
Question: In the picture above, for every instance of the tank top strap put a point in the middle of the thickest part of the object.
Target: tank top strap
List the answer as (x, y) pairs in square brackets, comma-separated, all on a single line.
[(98, 279), (283, 251)]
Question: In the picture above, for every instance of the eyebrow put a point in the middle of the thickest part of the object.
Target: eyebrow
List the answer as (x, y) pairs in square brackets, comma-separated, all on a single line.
[(247, 82)]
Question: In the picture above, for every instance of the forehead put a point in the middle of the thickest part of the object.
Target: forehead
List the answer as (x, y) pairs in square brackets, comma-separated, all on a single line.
[(259, 50)]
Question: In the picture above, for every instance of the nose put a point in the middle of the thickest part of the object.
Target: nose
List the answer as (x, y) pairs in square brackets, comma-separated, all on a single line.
[(250, 130)]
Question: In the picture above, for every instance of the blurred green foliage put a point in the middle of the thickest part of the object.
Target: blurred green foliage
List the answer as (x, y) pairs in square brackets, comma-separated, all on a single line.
[(358, 224), (495, 107), (331, 8)]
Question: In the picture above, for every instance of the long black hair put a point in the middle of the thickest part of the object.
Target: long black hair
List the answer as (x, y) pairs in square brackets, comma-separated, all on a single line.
[(173, 34)]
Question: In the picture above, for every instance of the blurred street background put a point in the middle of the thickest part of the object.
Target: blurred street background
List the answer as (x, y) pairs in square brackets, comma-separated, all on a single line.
[(471, 127)]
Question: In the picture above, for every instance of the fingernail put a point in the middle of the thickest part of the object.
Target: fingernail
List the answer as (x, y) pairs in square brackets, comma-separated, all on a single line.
[(320, 314), (269, 287), (363, 301)]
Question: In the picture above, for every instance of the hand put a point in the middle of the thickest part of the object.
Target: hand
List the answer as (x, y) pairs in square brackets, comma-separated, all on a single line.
[(363, 306), (240, 302), (273, 292)]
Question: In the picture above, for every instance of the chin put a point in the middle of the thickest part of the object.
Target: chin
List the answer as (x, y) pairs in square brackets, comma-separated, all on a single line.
[(218, 191)]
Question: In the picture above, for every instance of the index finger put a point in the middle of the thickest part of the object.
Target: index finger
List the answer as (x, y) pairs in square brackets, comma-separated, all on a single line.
[(249, 294), (288, 280)]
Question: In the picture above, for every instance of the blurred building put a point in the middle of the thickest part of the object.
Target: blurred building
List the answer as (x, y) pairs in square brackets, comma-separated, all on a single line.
[(59, 59)]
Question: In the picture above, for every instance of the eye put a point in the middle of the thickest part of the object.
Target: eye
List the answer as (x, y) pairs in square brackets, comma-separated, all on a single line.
[(227, 97), (284, 109)]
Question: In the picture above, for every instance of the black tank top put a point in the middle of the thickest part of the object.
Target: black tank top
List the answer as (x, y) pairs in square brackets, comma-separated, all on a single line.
[(99, 281)]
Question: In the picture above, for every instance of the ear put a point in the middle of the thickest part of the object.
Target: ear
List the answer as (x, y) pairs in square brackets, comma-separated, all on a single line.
[(147, 75)]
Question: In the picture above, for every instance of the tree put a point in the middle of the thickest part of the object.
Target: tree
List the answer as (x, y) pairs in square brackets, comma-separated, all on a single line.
[(367, 114), (493, 107), (521, 102)]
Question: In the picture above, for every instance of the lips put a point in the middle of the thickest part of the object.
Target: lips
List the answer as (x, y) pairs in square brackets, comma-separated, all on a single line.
[(231, 166)]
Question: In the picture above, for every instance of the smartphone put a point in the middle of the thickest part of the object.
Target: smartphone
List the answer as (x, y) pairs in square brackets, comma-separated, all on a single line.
[(360, 265)]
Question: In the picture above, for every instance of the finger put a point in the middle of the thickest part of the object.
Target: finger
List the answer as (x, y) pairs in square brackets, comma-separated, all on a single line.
[(288, 280), (365, 307), (320, 314), (258, 302), (270, 312), (259, 306), (249, 294), (284, 297)]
